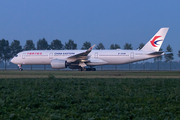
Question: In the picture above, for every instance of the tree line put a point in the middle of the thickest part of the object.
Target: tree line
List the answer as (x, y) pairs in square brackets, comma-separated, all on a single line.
[(8, 51)]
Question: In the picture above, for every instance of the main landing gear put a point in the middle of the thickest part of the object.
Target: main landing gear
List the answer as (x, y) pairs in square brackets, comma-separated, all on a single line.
[(90, 69), (20, 67), (87, 69)]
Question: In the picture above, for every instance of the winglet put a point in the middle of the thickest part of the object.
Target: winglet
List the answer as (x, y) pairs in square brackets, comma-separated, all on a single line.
[(91, 47)]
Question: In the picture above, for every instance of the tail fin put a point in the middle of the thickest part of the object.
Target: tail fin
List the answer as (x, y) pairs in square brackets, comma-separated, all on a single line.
[(156, 41)]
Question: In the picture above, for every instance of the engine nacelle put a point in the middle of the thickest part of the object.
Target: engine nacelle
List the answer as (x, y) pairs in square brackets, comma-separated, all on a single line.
[(58, 64)]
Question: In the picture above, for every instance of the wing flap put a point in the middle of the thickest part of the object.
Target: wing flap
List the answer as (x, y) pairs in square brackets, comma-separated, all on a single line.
[(95, 61)]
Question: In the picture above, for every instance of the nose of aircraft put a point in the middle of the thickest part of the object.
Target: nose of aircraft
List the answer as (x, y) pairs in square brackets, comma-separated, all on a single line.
[(12, 60)]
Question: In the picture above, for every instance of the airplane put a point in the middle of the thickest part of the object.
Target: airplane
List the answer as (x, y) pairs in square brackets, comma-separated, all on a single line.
[(84, 60)]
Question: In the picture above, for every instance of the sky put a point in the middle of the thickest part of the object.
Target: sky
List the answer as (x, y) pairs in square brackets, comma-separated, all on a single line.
[(96, 21)]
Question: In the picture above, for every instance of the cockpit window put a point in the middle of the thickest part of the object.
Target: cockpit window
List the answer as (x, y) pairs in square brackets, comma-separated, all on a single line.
[(16, 55)]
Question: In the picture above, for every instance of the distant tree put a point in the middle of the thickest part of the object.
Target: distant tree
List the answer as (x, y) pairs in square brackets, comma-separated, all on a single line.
[(86, 46), (115, 46), (112, 46), (56, 45), (159, 58), (15, 48), (169, 56), (179, 53), (29, 45), (128, 46), (141, 45), (100, 46), (70, 45), (5, 51), (42, 44)]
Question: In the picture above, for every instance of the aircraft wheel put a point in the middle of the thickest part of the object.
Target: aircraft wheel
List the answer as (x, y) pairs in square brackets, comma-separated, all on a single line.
[(21, 69), (83, 69), (88, 69), (93, 69)]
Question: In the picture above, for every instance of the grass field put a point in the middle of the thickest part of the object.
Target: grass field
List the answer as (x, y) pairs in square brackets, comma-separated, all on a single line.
[(54, 95), (90, 74), (89, 98)]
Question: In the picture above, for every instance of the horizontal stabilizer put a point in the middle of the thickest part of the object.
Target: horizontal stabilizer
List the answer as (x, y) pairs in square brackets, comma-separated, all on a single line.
[(156, 53), (166, 53)]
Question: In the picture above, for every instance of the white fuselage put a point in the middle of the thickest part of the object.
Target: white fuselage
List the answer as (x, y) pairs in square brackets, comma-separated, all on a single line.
[(96, 57), (79, 59)]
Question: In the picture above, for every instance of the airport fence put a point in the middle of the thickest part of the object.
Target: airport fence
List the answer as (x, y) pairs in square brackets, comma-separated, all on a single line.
[(175, 65)]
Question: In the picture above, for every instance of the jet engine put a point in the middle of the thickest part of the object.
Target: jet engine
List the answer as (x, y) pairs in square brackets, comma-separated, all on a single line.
[(58, 64)]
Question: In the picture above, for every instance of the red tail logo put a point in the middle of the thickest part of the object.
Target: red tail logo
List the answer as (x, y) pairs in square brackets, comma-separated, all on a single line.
[(153, 42)]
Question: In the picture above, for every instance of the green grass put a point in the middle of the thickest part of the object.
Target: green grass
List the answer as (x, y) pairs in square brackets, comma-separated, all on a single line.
[(90, 74), (97, 98)]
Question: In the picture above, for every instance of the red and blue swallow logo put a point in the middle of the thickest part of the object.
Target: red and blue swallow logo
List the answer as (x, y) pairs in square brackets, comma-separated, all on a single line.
[(154, 41)]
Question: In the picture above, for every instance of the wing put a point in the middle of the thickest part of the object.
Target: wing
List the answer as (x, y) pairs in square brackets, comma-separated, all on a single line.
[(81, 57)]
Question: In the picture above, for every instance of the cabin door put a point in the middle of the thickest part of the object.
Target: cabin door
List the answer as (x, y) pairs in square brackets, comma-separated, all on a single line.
[(23, 55), (96, 55), (50, 55), (132, 55)]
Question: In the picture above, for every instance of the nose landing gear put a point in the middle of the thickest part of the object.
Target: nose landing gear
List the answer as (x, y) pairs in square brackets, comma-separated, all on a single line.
[(20, 67)]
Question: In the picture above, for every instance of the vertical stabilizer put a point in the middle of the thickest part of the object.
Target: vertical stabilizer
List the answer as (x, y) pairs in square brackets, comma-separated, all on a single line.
[(156, 41)]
